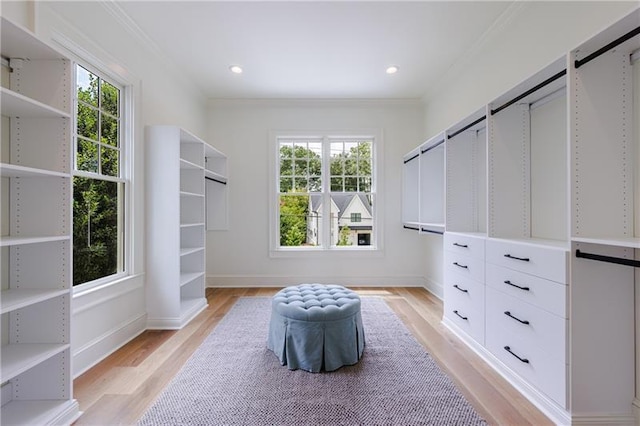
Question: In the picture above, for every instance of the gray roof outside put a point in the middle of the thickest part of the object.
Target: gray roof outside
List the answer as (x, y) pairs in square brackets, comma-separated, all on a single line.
[(341, 200)]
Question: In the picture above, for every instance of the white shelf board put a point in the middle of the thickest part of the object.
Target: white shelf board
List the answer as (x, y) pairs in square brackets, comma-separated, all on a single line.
[(14, 241), (186, 164), (19, 42), (214, 175), (38, 412), (18, 358), (629, 242), (16, 105), (210, 151), (190, 194), (14, 299), (189, 225), (12, 170), (536, 242), (187, 277), (188, 137), (188, 250)]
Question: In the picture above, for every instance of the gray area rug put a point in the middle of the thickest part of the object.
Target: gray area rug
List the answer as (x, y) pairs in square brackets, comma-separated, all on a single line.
[(233, 379)]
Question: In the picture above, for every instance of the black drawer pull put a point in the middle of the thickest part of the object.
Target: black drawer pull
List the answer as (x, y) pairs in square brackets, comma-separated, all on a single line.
[(464, 318), (507, 313), (460, 245), (524, 259), (508, 349), (460, 266), (516, 286), (461, 289)]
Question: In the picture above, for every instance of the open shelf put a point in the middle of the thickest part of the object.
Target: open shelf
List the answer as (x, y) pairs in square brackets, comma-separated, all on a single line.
[(14, 299), (12, 170), (17, 105), (18, 358)]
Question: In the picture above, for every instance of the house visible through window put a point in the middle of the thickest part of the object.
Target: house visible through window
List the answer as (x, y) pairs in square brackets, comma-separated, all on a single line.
[(98, 183), (325, 191)]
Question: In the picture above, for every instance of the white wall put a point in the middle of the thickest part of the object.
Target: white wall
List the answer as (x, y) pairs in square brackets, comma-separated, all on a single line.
[(531, 36), (240, 255), (106, 317)]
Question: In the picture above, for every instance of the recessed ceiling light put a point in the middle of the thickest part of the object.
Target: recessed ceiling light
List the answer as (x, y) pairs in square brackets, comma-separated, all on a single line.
[(236, 69), (392, 69)]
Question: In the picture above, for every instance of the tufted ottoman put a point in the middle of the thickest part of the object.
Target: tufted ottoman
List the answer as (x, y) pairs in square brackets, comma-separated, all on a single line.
[(315, 327)]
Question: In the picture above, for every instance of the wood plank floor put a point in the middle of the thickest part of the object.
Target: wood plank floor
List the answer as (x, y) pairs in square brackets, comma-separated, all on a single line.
[(119, 389)]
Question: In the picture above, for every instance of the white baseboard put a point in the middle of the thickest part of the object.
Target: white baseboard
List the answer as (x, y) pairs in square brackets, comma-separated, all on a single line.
[(102, 346), (284, 281)]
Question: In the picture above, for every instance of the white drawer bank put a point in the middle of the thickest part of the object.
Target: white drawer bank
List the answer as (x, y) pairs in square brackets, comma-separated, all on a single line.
[(512, 299)]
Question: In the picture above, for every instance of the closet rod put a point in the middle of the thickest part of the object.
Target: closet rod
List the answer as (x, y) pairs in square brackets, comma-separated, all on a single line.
[(614, 43), (410, 227), (432, 232), (609, 259), (216, 180), (528, 92), (432, 146), (468, 126), (412, 158)]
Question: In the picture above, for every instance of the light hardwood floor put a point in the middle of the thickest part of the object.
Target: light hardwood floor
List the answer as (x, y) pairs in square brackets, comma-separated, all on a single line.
[(119, 389)]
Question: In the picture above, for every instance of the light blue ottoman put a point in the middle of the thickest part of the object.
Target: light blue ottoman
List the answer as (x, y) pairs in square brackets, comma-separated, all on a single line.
[(316, 327)]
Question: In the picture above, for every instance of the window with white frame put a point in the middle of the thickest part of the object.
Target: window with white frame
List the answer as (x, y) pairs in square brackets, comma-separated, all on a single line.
[(325, 191), (98, 178)]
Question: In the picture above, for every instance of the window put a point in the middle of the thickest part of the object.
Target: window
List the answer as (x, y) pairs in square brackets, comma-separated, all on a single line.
[(98, 182), (325, 185)]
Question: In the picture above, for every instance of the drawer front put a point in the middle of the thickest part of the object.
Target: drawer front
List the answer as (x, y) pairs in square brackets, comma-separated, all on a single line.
[(547, 374), (464, 244), (545, 294), (545, 262), (467, 319), (537, 330), (459, 289), (464, 265)]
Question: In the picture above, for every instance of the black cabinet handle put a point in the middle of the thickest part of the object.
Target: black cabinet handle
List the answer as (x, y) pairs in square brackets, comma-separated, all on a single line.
[(524, 259), (507, 313), (516, 286), (460, 266), (460, 245), (508, 349), (461, 289), (464, 318)]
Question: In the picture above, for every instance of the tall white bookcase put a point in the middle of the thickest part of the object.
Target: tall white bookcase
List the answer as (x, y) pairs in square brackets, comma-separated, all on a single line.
[(35, 303), (176, 223)]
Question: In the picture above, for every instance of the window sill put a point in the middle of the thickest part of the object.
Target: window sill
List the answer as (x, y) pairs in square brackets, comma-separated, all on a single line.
[(317, 252)]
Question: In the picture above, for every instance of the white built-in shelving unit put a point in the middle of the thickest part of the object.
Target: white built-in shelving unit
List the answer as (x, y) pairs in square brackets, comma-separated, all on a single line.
[(35, 167), (216, 187), (177, 165), (423, 187), (542, 212)]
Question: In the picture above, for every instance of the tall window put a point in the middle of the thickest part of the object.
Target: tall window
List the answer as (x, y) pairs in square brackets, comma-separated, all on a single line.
[(324, 186), (98, 182)]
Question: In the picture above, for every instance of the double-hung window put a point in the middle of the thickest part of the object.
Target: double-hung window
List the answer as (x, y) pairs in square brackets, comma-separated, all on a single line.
[(98, 179), (325, 193)]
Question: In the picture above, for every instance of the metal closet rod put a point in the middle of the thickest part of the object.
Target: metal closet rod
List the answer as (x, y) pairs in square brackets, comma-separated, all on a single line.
[(603, 49), (530, 91), (411, 228), (468, 126), (216, 180), (432, 232), (412, 158), (609, 259), (432, 147)]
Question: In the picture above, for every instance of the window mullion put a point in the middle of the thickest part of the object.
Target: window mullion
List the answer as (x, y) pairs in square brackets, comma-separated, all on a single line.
[(326, 194)]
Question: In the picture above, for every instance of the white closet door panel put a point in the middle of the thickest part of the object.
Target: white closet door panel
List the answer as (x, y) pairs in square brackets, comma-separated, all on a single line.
[(466, 318), (462, 289), (545, 294)]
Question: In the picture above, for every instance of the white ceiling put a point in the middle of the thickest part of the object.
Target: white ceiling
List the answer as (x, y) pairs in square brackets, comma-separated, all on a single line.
[(317, 50)]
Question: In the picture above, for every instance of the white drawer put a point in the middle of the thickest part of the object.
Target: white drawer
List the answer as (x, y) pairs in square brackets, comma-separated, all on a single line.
[(537, 368), (542, 261), (545, 294), (467, 266), (461, 314), (463, 289), (465, 244), (536, 329)]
